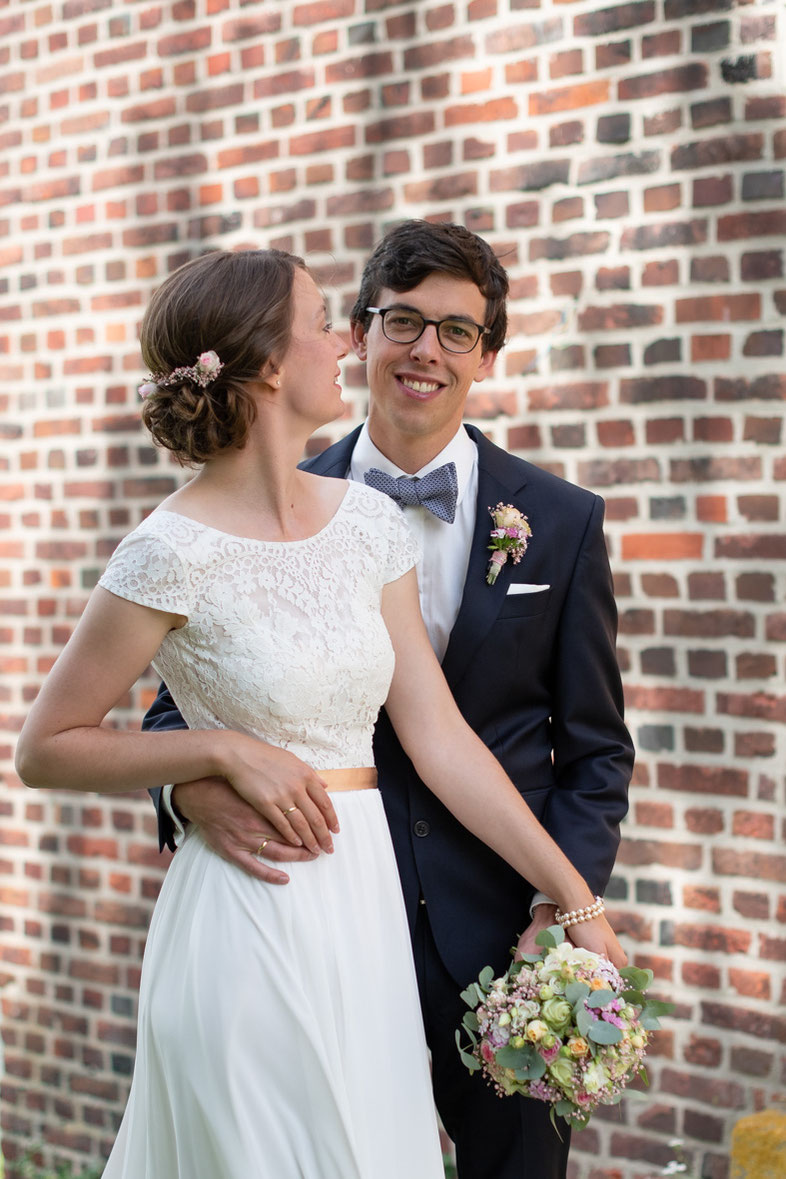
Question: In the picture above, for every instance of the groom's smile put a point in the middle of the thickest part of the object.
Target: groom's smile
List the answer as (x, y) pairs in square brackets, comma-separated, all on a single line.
[(418, 390)]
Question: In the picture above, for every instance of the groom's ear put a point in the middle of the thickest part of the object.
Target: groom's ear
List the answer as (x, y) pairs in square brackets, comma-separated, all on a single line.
[(357, 334)]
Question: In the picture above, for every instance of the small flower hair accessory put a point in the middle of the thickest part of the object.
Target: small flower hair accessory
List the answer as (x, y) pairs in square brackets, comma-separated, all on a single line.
[(509, 538), (203, 373)]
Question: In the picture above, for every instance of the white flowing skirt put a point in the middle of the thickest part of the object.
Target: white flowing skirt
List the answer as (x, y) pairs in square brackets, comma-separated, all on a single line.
[(280, 1034)]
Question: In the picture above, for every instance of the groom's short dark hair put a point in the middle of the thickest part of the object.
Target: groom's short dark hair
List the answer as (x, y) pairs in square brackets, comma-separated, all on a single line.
[(415, 249)]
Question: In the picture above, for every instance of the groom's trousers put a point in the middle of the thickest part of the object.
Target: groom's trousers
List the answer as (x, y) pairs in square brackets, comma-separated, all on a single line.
[(496, 1138)]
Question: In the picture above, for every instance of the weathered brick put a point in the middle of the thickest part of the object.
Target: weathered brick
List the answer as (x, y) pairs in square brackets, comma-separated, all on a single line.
[(615, 18), (735, 226), (703, 779), (692, 76), (610, 167)]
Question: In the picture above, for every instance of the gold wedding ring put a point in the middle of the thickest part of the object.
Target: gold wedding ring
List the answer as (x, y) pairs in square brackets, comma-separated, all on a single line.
[(262, 846), (289, 810)]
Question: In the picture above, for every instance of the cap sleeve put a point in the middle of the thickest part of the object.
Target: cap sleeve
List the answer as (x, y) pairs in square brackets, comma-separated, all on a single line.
[(145, 569), (404, 551)]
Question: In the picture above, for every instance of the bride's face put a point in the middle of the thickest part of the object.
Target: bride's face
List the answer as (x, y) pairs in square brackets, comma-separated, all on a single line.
[(310, 372)]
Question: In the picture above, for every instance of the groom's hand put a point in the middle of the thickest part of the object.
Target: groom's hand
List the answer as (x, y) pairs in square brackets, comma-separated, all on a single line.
[(233, 829), (542, 918)]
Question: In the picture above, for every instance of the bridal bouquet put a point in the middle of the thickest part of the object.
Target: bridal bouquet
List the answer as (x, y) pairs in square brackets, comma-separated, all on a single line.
[(563, 1026)]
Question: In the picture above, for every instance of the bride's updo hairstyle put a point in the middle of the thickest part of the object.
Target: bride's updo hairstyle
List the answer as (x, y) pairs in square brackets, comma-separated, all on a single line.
[(235, 305)]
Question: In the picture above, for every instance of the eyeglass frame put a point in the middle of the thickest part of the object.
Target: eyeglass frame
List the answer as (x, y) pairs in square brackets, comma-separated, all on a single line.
[(436, 323)]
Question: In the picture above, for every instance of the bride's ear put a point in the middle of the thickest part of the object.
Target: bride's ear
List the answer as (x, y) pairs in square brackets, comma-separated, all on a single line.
[(271, 376)]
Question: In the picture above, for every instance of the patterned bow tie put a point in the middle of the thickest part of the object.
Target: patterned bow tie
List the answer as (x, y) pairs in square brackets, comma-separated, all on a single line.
[(437, 491)]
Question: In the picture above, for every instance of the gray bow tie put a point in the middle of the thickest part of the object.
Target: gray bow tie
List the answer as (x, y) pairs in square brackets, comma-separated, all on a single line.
[(437, 491)]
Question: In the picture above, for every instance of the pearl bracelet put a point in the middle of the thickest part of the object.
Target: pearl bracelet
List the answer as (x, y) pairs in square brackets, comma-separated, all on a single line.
[(576, 916)]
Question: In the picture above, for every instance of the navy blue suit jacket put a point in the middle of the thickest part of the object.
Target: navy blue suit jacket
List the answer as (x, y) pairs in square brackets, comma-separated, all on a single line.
[(536, 677)]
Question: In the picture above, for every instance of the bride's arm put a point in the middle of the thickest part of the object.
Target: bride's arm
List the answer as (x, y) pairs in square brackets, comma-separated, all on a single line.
[(456, 765), (64, 744)]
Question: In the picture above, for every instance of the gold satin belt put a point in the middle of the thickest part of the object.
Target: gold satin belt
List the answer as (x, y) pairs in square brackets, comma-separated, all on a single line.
[(357, 778)]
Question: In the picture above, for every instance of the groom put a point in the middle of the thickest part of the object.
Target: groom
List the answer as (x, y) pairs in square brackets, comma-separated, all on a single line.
[(530, 660)]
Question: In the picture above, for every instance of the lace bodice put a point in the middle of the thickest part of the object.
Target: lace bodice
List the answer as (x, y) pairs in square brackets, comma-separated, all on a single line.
[(284, 640)]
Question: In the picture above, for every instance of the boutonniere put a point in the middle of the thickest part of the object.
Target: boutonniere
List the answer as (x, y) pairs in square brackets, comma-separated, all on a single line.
[(509, 538)]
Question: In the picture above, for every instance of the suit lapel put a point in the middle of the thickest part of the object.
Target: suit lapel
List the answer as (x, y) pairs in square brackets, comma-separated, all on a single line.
[(335, 460), (500, 479)]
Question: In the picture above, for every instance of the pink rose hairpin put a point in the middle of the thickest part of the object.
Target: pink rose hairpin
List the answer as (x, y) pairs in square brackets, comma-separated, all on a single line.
[(202, 373), (509, 538)]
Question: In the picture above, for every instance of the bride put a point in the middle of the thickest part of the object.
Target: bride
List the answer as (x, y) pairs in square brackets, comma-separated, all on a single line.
[(279, 1027)]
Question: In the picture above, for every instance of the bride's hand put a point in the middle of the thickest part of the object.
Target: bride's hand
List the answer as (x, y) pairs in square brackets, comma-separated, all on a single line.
[(598, 936), (282, 788)]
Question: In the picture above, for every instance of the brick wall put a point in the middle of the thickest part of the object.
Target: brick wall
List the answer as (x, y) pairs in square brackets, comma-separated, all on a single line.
[(628, 163)]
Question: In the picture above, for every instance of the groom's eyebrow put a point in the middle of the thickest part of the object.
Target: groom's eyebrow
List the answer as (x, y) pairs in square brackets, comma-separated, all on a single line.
[(400, 306)]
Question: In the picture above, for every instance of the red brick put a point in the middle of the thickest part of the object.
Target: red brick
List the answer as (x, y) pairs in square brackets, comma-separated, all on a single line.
[(701, 974), (703, 1051), (569, 98), (710, 348), (703, 780), (756, 224), (319, 141), (757, 865), (665, 699), (668, 546), (692, 76), (669, 855), (493, 111)]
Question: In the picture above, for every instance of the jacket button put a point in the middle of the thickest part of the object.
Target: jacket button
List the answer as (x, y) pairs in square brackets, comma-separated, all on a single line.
[(422, 828)]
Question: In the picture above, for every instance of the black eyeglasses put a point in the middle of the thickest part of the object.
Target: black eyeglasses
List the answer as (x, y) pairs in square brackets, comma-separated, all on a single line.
[(402, 326)]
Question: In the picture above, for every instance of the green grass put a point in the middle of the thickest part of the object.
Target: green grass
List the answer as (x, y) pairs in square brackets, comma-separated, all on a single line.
[(27, 1167)]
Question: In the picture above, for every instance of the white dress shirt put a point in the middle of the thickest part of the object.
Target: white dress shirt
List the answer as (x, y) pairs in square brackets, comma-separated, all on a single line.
[(442, 570)]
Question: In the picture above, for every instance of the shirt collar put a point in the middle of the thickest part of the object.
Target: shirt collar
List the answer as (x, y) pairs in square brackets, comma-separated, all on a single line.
[(461, 450)]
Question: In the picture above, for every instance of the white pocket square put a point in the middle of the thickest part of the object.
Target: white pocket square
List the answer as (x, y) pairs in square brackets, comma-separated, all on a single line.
[(524, 587)]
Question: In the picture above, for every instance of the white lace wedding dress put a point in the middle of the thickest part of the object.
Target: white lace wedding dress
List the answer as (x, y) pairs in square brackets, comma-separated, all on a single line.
[(280, 1034)]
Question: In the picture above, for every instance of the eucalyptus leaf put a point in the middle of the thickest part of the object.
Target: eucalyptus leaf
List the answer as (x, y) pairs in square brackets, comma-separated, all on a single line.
[(638, 976), (584, 1021), (657, 1007), (470, 1032), (533, 1071), (470, 1021), (509, 1057), (604, 1033), (635, 1095), (575, 992), (471, 996), (551, 937), (466, 1058), (486, 977), (553, 1117), (601, 998)]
